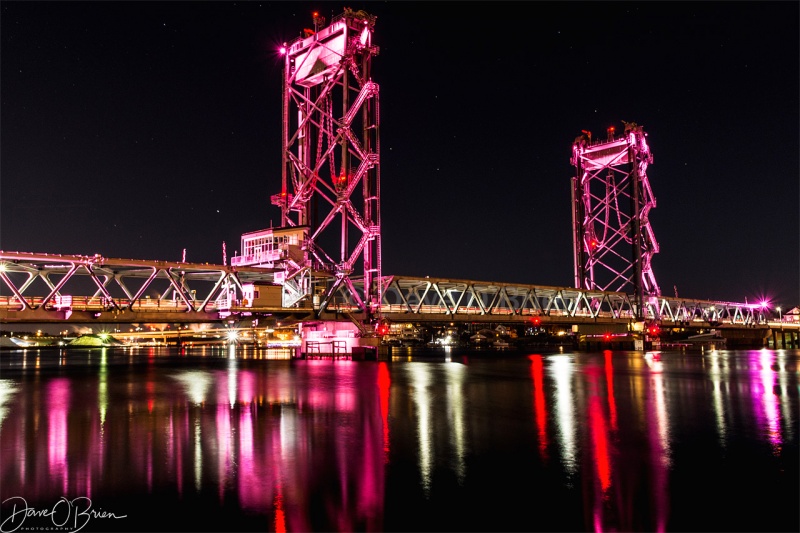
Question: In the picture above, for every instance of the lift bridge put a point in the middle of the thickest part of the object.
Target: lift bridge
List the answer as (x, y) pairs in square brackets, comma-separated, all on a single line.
[(322, 265), (86, 289)]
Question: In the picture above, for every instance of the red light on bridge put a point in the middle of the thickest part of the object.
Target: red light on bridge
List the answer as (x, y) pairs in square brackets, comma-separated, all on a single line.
[(382, 329), (537, 321)]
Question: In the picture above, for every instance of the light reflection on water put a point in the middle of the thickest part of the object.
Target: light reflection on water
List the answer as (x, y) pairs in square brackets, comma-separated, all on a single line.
[(627, 441)]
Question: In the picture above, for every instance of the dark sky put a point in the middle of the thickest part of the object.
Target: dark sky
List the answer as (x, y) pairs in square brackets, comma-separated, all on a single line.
[(138, 129)]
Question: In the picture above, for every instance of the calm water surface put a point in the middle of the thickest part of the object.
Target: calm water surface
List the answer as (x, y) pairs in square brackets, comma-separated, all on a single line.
[(150, 439)]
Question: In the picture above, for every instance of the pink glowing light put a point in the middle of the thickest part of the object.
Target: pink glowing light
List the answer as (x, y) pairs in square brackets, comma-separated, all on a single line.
[(765, 399), (58, 398), (612, 404), (384, 385)]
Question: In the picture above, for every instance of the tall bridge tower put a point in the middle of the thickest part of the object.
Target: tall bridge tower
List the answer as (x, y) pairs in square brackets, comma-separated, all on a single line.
[(330, 177), (330, 181), (613, 242)]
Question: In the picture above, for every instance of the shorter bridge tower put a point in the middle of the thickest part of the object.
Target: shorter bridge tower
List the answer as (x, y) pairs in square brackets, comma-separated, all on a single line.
[(613, 242)]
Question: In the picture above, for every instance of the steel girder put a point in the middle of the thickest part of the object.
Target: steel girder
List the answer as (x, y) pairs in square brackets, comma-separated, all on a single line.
[(331, 163), (53, 282), (451, 298), (58, 282), (613, 241)]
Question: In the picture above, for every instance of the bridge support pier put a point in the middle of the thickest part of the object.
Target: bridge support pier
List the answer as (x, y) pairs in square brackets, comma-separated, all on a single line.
[(782, 339)]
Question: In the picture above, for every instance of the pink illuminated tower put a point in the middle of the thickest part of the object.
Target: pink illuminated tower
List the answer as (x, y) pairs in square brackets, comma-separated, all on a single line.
[(613, 242), (331, 173)]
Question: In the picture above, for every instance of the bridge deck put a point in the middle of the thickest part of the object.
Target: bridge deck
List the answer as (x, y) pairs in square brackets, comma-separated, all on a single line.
[(56, 288)]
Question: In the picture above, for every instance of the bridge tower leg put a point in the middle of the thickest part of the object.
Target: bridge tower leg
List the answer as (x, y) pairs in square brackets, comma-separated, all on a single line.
[(330, 180), (613, 242)]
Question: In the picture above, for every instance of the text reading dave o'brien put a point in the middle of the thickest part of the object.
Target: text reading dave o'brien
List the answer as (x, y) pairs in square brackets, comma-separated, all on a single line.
[(67, 516)]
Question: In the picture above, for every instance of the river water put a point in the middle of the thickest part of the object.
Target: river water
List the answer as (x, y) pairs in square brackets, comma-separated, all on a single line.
[(217, 439)]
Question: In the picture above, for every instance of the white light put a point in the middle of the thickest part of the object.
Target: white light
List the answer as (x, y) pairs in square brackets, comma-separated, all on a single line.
[(7, 391), (196, 383)]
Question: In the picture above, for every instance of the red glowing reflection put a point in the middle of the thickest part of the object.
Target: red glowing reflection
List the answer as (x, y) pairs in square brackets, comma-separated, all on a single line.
[(539, 403)]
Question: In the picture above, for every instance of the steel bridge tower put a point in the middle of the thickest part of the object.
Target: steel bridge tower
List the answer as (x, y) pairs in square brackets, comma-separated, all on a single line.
[(613, 242), (331, 173)]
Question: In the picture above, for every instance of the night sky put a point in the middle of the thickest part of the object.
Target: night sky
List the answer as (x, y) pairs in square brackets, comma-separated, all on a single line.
[(138, 129)]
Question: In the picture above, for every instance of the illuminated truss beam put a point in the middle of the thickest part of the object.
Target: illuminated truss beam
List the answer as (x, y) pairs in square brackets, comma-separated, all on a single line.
[(50, 282), (197, 290), (462, 299)]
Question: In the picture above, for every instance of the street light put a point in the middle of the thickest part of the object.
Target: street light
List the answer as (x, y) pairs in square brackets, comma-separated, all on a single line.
[(780, 316)]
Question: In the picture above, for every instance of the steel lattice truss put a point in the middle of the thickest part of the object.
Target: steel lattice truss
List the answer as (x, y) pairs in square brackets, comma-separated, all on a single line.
[(464, 299), (613, 242), (330, 177), (64, 283), (43, 285)]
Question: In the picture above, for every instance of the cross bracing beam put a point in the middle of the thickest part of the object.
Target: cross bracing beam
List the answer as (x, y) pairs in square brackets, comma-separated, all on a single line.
[(455, 299), (54, 282), (48, 282)]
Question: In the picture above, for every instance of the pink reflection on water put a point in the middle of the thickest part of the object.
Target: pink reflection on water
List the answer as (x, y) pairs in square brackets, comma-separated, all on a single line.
[(57, 407), (246, 433), (763, 394), (613, 508), (252, 479), (344, 439), (149, 459), (384, 384), (599, 442), (226, 455), (288, 436), (612, 404), (247, 386)]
